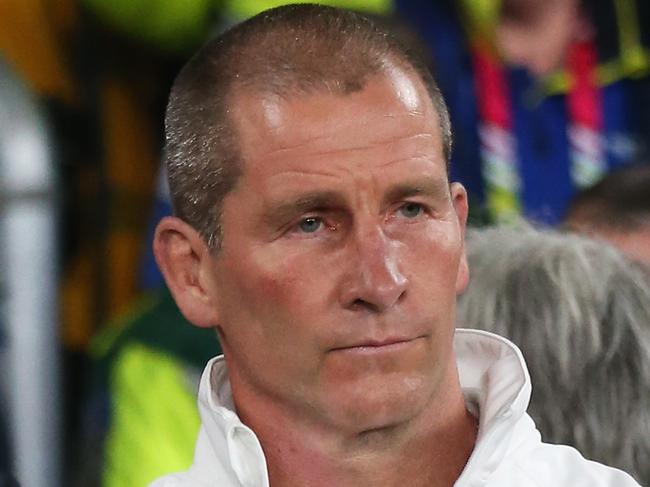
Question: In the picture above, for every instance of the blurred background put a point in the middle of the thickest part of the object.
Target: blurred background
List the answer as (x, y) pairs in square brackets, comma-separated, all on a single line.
[(98, 369)]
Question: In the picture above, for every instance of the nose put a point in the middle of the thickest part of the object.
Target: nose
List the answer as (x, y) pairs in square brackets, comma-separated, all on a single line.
[(375, 281)]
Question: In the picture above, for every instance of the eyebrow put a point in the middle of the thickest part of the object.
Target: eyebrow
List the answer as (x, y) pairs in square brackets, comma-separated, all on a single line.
[(304, 203), (422, 187)]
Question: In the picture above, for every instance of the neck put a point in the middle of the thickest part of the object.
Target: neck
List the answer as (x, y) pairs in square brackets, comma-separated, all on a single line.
[(428, 450)]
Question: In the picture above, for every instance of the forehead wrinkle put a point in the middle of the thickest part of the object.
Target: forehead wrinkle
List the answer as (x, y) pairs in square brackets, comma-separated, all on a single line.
[(413, 157), (299, 145), (412, 111), (319, 172), (316, 151)]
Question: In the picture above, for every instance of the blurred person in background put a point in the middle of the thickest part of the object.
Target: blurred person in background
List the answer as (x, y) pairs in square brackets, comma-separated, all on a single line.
[(545, 97), (580, 312), (617, 209), (139, 417), (102, 78)]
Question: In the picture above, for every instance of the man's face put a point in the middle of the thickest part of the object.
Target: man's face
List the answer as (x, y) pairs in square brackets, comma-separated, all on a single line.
[(342, 255)]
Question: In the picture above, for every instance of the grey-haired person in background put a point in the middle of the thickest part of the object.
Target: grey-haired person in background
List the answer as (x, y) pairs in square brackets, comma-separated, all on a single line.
[(580, 312)]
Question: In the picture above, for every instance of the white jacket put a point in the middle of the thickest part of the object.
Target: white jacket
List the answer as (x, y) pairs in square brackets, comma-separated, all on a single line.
[(496, 385)]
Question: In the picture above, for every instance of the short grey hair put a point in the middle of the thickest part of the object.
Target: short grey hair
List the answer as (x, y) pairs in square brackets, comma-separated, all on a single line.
[(287, 50), (580, 312)]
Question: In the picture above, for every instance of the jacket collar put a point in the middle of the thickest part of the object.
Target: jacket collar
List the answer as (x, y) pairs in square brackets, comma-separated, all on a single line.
[(497, 388)]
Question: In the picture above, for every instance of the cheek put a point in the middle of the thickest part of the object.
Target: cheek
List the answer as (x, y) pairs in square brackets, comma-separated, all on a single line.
[(436, 267), (277, 295), (438, 252), (257, 322)]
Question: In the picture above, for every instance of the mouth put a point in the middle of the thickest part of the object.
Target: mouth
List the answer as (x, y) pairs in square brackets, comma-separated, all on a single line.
[(379, 346)]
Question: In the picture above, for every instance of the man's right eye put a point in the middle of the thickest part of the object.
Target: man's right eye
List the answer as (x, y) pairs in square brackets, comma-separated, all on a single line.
[(310, 225)]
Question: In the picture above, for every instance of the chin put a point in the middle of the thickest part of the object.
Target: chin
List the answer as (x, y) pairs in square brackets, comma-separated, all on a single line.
[(380, 403)]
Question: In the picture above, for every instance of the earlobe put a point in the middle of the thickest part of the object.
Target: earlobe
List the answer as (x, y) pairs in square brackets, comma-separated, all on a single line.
[(182, 256), (461, 207)]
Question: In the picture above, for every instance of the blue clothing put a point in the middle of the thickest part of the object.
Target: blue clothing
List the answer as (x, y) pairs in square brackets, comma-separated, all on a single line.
[(539, 117)]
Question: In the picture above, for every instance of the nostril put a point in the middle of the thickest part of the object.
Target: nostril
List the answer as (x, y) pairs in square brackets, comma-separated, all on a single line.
[(363, 305), (401, 296)]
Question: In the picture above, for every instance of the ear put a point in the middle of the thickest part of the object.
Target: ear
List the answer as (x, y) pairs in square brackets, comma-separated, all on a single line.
[(185, 262), (459, 200)]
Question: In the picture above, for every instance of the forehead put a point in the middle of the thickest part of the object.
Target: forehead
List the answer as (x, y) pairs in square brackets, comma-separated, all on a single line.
[(390, 117)]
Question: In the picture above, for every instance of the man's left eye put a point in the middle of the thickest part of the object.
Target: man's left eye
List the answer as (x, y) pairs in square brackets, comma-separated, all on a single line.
[(411, 210)]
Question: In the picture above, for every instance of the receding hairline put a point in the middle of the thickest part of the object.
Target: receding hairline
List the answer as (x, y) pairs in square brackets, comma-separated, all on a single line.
[(413, 96)]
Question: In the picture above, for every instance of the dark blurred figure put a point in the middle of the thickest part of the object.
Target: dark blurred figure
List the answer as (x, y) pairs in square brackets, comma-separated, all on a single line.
[(580, 312), (546, 97), (617, 210), (6, 480)]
